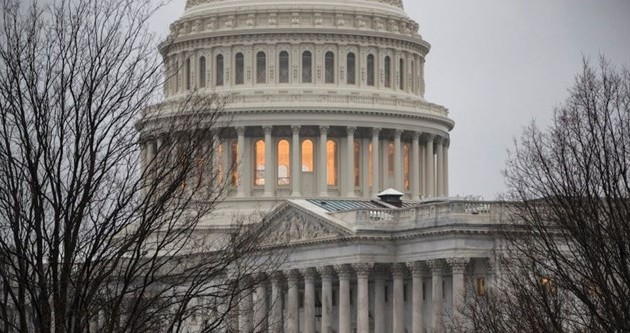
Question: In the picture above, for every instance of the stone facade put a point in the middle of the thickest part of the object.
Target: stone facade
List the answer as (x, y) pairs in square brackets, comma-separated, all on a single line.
[(328, 110)]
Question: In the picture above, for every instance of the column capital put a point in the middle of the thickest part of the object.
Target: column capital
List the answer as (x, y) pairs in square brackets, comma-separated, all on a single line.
[(323, 129), (398, 270), (438, 139), (293, 275), (398, 133), (309, 274), (344, 271), (376, 131), (240, 130), (295, 129), (458, 265), (246, 282), (350, 130), (267, 129), (491, 264), (276, 277), (446, 142), (363, 269), (428, 137), (436, 266), (416, 135), (261, 277), (417, 268), (380, 271), (326, 272)]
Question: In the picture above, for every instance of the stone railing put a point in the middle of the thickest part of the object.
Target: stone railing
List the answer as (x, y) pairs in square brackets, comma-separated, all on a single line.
[(454, 212)]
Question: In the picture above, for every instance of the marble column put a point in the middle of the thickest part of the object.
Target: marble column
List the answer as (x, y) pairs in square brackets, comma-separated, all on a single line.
[(363, 303), (269, 169), (327, 273), (440, 166), (246, 306), (260, 309), (345, 274), (293, 314), (323, 162), (276, 324), (296, 164), (376, 175), (365, 165), (398, 316), (398, 165), (380, 273), (417, 313), (446, 146), (309, 299), (415, 166), (350, 161), (240, 190), (458, 265), (429, 166), (437, 270)]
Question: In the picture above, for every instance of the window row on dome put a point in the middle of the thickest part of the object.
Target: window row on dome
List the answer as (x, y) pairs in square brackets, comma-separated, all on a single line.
[(349, 70)]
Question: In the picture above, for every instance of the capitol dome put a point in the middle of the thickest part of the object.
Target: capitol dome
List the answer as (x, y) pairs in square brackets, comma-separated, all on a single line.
[(327, 96)]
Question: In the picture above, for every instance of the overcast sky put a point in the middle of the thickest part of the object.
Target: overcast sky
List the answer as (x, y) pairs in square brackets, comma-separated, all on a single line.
[(497, 64)]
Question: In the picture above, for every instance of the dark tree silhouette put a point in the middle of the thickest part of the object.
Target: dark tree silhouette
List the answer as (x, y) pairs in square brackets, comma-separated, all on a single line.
[(565, 262), (102, 187)]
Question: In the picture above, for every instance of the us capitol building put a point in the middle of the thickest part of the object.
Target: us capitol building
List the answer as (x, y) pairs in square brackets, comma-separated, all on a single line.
[(331, 135)]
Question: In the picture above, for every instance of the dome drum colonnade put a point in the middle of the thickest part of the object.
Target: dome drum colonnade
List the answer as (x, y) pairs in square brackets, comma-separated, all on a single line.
[(364, 297)]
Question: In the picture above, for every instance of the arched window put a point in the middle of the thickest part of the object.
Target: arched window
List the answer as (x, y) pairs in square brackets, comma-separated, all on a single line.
[(307, 156), (284, 67), (219, 70), (351, 66), (406, 167), (357, 164), (388, 72), (234, 164), (239, 71), (284, 166), (202, 72), (307, 67), (188, 75), (331, 162), (370, 70), (261, 67), (401, 84), (329, 63), (259, 152)]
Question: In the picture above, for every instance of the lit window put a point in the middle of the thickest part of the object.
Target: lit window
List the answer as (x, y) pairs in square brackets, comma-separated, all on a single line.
[(307, 67), (261, 67), (481, 286), (259, 151), (202, 72), (330, 67), (284, 67), (307, 156), (188, 75), (239, 72), (401, 84), (370, 70), (406, 167), (357, 165), (351, 64), (284, 157), (388, 72), (331, 162), (219, 70)]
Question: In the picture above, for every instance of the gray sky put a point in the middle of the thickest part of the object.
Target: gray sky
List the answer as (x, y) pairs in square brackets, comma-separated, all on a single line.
[(497, 64)]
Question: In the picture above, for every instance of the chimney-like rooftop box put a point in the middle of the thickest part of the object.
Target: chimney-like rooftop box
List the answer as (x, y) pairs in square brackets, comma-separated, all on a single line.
[(391, 197)]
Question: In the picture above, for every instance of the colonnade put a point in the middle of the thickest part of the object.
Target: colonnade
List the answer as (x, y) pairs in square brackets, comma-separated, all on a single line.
[(315, 285), (411, 162)]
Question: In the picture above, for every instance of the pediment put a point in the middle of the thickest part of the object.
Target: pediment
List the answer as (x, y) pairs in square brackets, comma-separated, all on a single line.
[(293, 225)]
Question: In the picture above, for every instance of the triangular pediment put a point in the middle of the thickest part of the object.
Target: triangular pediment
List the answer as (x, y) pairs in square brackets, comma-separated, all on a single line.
[(292, 224)]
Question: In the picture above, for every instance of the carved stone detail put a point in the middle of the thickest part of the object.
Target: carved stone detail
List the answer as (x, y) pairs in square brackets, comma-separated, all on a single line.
[(399, 270), (310, 274), (418, 268), (363, 269), (436, 266), (458, 265), (326, 272), (294, 229), (344, 271)]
